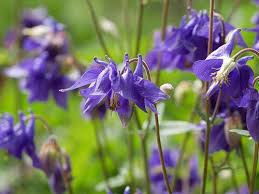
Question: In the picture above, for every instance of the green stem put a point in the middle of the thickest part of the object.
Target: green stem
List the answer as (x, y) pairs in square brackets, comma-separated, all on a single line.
[(97, 28), (100, 153), (243, 51), (214, 176), (161, 155), (126, 21), (208, 131), (130, 157), (163, 35), (234, 180), (145, 158), (252, 183), (242, 154), (139, 25)]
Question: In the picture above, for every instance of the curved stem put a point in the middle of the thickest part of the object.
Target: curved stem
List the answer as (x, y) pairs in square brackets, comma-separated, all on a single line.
[(252, 183), (161, 155), (163, 35), (208, 131), (242, 154), (243, 51), (97, 28), (139, 25), (42, 120)]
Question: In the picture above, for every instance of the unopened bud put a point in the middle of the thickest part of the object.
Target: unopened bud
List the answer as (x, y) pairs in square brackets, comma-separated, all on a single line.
[(167, 89), (49, 155), (233, 122)]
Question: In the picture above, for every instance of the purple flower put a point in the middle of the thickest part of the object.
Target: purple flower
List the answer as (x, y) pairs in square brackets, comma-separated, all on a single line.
[(117, 90), (256, 2), (194, 176), (252, 116), (233, 77), (170, 158), (42, 74), (218, 140), (187, 43), (18, 139)]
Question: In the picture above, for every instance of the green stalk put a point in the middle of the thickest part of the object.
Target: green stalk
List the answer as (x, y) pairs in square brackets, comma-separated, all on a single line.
[(97, 28), (252, 183), (208, 131), (139, 25)]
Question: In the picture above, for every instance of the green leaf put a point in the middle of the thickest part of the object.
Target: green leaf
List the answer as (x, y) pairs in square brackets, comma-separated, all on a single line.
[(177, 127), (241, 132)]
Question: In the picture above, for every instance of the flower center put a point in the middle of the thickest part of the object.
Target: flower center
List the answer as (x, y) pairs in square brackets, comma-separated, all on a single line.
[(221, 76)]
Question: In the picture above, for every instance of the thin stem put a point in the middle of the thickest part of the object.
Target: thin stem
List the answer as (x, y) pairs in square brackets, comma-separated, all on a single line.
[(100, 153), (130, 157), (182, 151), (126, 21), (189, 7), (216, 106), (42, 120), (233, 10), (214, 176), (234, 180), (163, 35), (97, 28), (184, 145), (161, 155), (242, 154), (208, 131), (245, 50), (252, 183), (145, 158), (139, 25)]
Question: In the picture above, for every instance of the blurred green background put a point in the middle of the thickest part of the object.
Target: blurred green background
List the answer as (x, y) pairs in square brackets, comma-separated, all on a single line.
[(75, 134)]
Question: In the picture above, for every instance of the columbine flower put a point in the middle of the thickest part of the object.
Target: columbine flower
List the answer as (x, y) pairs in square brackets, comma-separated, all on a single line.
[(56, 165), (252, 116), (187, 43), (218, 140), (18, 139), (233, 77), (117, 90), (171, 159), (41, 75)]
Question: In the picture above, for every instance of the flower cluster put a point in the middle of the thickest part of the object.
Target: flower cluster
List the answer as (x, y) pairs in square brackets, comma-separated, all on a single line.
[(187, 43), (44, 39), (117, 90), (19, 139)]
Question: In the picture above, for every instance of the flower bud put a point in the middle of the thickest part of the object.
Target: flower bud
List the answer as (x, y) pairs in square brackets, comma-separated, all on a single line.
[(49, 155), (232, 122), (181, 89), (167, 88)]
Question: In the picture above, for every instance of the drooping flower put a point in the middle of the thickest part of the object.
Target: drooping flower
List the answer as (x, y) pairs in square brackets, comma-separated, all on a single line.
[(218, 139), (232, 77), (117, 90), (18, 139), (41, 75), (188, 43), (252, 116)]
